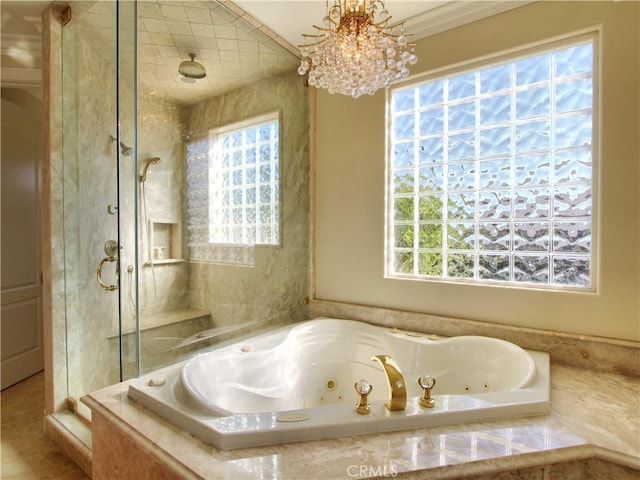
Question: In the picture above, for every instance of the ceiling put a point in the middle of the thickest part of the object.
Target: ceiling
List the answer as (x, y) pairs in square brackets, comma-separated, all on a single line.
[(233, 50), (237, 42), (422, 17)]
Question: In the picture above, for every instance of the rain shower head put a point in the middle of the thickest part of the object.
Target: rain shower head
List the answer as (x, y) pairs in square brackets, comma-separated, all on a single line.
[(148, 163), (124, 150), (191, 70)]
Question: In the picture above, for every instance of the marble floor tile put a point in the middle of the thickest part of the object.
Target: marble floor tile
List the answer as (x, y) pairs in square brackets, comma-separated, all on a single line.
[(26, 453)]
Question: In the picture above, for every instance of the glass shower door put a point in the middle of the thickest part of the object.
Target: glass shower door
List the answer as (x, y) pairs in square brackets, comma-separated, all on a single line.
[(128, 194), (99, 162)]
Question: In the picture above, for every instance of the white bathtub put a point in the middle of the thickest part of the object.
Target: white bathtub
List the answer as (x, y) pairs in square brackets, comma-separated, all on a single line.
[(297, 383)]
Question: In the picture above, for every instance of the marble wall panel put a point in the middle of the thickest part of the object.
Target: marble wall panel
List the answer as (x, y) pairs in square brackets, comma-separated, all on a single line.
[(589, 469), (163, 287), (271, 290), (130, 459), (52, 217), (89, 116)]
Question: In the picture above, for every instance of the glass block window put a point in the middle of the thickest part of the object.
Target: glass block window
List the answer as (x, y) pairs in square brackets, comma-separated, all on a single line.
[(491, 173), (233, 185)]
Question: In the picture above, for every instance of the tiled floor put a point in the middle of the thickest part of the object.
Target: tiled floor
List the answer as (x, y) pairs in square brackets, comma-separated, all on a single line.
[(27, 454)]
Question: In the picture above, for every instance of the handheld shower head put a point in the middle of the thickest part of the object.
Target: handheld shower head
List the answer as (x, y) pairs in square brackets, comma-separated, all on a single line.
[(148, 163)]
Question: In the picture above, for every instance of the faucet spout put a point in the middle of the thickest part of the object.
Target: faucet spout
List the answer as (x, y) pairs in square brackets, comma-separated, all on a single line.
[(397, 387)]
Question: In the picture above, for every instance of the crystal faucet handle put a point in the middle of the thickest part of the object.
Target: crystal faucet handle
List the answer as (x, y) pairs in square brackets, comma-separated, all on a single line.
[(427, 383), (363, 388)]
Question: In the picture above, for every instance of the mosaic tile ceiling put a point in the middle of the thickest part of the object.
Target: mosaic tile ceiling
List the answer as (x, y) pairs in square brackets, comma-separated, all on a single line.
[(232, 46)]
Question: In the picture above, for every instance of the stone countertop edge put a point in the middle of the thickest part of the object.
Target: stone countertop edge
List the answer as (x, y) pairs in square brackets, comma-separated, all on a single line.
[(594, 415)]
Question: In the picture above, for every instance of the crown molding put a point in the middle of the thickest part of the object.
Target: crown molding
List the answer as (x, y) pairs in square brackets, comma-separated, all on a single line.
[(449, 15)]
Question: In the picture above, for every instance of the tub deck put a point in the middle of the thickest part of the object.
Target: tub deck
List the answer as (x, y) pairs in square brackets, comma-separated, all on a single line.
[(587, 426)]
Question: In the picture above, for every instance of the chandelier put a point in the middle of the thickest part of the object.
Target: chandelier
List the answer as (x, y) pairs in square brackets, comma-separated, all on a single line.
[(357, 51)]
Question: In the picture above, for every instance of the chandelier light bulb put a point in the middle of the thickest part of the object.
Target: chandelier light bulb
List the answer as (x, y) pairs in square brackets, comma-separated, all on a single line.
[(358, 51)]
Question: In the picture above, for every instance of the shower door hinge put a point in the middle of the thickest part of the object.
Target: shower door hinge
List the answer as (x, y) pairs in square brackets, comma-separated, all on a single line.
[(65, 16), (72, 405)]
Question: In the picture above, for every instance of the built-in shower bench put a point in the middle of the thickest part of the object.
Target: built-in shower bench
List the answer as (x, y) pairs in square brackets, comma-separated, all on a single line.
[(163, 340)]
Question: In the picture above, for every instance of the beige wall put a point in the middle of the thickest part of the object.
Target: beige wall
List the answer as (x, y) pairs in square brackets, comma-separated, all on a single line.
[(350, 184)]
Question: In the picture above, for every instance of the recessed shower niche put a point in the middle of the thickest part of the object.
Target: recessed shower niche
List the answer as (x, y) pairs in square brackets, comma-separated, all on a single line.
[(166, 242)]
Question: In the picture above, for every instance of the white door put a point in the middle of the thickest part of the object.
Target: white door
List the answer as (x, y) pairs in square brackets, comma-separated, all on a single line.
[(21, 320)]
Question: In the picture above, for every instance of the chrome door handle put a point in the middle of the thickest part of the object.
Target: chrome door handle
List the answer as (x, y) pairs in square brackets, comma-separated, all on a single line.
[(109, 288)]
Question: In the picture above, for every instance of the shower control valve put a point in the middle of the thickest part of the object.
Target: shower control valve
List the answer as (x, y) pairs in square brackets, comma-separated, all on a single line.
[(111, 248)]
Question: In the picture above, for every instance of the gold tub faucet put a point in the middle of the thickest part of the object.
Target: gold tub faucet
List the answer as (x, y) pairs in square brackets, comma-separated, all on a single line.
[(397, 388)]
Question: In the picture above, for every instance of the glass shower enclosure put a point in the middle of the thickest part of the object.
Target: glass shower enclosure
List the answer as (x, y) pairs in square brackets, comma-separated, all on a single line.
[(100, 194), (137, 296)]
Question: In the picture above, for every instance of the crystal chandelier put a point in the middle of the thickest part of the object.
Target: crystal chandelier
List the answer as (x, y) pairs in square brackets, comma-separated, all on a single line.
[(358, 51)]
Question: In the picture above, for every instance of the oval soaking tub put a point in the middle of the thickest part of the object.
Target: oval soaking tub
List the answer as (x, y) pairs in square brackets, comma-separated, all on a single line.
[(297, 383)]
